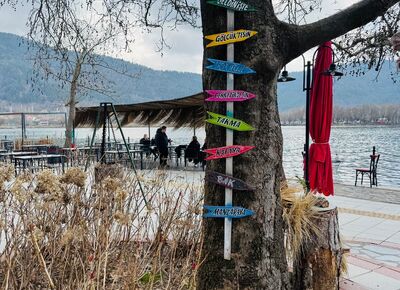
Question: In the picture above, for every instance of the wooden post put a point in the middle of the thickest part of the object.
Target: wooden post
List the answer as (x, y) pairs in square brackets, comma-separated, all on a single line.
[(229, 139)]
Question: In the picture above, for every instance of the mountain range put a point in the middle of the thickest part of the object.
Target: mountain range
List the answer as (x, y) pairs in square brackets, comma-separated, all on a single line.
[(18, 93)]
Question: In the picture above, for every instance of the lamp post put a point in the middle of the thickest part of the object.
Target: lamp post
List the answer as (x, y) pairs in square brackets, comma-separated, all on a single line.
[(307, 86), (307, 89)]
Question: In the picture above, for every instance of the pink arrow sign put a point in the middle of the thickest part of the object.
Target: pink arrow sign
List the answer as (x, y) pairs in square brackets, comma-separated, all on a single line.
[(228, 96), (227, 151)]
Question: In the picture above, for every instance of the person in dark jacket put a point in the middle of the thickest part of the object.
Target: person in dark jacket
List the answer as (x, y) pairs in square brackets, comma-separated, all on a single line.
[(145, 142), (193, 150), (162, 145)]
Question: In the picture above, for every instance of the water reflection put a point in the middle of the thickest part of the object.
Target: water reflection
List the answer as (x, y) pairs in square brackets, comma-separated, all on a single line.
[(351, 147)]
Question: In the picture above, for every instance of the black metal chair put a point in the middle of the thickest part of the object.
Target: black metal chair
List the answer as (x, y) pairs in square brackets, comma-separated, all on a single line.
[(371, 171), (192, 155)]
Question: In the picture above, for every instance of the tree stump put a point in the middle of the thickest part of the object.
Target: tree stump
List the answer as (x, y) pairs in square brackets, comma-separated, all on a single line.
[(319, 266), (326, 259)]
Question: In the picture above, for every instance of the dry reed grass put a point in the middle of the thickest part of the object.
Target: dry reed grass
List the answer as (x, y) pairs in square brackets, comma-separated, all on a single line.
[(60, 233), (68, 232), (299, 215)]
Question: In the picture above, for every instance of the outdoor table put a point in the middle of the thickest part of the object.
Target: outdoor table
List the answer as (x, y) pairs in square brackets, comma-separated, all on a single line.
[(30, 146), (121, 146), (136, 145), (37, 158), (12, 155), (171, 149), (86, 150), (7, 144), (109, 145), (114, 153)]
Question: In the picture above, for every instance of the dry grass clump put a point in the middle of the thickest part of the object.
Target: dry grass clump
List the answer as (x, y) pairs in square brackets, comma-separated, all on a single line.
[(75, 176), (55, 233), (6, 174), (47, 182), (299, 216)]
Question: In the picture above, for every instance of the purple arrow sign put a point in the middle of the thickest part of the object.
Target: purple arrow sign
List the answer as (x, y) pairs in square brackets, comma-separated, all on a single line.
[(227, 181), (229, 96)]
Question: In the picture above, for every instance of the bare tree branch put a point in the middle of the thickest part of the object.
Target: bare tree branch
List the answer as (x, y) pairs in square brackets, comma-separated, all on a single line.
[(307, 36)]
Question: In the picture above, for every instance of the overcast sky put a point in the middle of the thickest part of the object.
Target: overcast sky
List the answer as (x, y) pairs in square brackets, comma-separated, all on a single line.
[(186, 42)]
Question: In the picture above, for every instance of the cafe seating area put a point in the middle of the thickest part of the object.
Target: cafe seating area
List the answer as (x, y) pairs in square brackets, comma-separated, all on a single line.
[(36, 156)]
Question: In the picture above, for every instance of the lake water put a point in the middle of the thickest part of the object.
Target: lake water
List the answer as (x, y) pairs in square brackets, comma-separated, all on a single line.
[(350, 145)]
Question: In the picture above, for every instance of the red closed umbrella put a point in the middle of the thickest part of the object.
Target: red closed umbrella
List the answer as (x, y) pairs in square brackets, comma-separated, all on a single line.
[(320, 162)]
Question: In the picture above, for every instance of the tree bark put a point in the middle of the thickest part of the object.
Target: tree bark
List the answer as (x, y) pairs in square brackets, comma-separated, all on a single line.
[(72, 104), (258, 255), (319, 265)]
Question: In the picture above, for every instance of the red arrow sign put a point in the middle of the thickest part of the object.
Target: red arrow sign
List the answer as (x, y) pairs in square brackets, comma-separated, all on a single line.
[(227, 151)]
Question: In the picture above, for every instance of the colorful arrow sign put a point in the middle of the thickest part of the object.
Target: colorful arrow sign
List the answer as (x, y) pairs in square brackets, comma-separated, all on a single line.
[(228, 122), (228, 96), (226, 212), (235, 5), (226, 151), (227, 181), (229, 67), (229, 37)]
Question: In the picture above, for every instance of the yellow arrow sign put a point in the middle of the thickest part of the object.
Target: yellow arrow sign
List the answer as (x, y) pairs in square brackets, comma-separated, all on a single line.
[(229, 37)]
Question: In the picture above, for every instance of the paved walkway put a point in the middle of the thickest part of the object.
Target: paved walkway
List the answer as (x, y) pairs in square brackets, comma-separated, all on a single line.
[(369, 221), (371, 230), (367, 193)]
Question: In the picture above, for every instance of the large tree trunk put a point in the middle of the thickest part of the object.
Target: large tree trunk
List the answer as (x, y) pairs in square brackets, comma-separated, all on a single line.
[(258, 260), (258, 255)]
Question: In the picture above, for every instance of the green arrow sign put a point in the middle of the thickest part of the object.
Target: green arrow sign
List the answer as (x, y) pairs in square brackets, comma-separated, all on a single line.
[(228, 122), (236, 5)]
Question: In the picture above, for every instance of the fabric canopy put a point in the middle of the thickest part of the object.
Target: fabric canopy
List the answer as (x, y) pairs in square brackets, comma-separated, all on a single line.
[(182, 112), (320, 162)]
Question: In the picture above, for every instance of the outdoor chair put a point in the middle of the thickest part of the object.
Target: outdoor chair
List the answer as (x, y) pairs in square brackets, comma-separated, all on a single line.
[(371, 171), (180, 151), (194, 155)]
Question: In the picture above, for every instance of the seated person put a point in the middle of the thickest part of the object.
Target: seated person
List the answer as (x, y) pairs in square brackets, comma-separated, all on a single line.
[(192, 151), (145, 142)]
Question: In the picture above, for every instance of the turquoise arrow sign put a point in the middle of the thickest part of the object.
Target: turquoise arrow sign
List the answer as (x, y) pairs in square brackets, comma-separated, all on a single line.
[(228, 122), (229, 67), (235, 5), (226, 212)]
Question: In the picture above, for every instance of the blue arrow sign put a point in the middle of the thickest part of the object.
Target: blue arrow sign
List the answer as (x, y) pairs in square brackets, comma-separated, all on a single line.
[(229, 67), (226, 212)]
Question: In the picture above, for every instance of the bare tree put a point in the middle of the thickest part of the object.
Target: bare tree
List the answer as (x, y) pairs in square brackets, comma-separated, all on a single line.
[(68, 38), (68, 49)]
